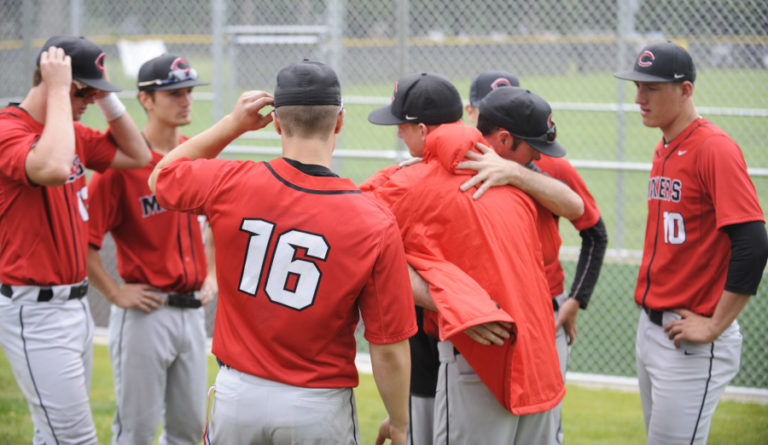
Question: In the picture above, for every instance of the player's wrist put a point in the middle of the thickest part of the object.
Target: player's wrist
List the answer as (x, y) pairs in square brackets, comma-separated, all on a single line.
[(111, 106)]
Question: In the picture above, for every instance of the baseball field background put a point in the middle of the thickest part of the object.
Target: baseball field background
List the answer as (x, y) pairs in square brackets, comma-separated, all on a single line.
[(564, 50)]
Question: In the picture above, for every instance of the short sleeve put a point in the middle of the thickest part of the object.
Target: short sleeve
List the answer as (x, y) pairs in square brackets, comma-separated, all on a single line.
[(186, 185), (386, 302), (723, 172), (98, 148)]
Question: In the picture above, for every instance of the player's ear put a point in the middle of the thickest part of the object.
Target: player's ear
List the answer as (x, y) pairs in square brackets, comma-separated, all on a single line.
[(340, 121), (506, 139), (145, 99), (687, 89), (276, 122)]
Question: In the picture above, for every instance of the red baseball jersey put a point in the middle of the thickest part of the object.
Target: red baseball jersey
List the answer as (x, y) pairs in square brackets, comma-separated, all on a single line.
[(698, 185), (43, 230), (154, 246), (298, 258), (561, 169)]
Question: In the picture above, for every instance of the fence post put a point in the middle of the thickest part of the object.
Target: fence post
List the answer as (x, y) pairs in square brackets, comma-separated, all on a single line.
[(625, 28), (218, 9), (403, 29)]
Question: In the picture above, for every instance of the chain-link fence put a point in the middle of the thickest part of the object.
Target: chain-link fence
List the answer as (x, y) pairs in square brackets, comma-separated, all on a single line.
[(566, 51)]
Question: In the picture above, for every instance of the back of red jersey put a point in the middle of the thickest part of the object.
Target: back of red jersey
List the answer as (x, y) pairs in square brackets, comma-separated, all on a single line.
[(297, 257), (43, 230), (698, 185)]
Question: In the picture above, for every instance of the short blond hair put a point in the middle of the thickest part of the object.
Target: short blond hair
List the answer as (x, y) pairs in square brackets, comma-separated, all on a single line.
[(308, 121)]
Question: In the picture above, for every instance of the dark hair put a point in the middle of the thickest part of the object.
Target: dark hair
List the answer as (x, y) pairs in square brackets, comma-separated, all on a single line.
[(308, 121), (486, 125), (150, 93), (37, 77)]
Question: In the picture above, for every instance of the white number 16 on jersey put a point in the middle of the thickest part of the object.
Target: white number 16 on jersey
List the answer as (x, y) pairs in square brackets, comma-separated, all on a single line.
[(290, 281)]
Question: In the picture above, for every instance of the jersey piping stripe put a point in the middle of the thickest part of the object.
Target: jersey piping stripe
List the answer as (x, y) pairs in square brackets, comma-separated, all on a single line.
[(410, 416), (580, 280), (32, 376), (181, 254), (658, 213), (706, 390), (306, 190), (118, 421), (352, 412), (447, 411)]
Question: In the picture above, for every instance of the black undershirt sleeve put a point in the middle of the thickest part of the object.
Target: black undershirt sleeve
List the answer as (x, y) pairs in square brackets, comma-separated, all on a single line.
[(594, 241), (749, 252)]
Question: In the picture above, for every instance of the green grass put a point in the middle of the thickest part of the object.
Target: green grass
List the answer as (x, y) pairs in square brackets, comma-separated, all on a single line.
[(591, 416)]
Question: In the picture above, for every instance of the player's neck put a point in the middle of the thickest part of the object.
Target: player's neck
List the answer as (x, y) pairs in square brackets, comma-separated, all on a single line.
[(309, 151), (680, 123), (161, 138), (35, 104)]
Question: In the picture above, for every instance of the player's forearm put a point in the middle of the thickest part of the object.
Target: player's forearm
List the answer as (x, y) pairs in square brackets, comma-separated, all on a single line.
[(133, 151), (210, 250), (98, 276), (391, 365), (420, 289), (728, 308), (49, 162), (206, 145), (554, 195), (594, 242)]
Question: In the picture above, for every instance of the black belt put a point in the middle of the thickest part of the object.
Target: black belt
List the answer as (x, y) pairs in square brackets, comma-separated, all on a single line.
[(656, 317), (46, 293), (187, 300)]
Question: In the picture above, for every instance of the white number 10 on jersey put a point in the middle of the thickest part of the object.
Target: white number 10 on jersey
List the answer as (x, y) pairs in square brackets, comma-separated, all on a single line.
[(290, 281), (674, 228)]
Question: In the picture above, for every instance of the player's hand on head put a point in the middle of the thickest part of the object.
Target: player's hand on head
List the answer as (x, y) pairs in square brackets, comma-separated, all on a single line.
[(139, 296), (492, 170), (248, 112), (491, 333), (56, 68), (209, 289)]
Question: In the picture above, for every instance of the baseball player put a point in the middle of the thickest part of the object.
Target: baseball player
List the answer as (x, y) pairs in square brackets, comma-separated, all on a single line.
[(46, 329), (490, 309), (157, 324), (704, 254), (292, 280), (508, 109), (558, 198)]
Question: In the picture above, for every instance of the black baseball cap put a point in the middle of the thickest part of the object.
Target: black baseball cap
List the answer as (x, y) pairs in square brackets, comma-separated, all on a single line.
[(420, 98), (661, 62), (490, 80), (307, 83), (167, 72), (525, 115), (87, 60)]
